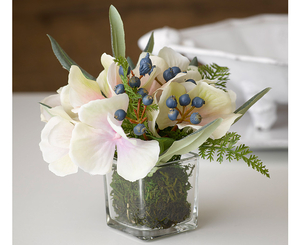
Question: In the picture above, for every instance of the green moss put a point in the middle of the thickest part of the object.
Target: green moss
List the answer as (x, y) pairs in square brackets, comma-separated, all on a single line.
[(159, 201)]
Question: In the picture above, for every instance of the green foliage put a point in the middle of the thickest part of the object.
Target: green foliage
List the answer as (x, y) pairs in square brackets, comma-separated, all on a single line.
[(245, 107), (117, 33), (64, 58), (150, 45), (225, 147), (162, 201), (214, 72), (47, 106)]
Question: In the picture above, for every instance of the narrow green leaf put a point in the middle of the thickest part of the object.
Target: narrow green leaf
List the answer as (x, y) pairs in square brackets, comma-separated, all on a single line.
[(117, 33), (194, 62), (47, 106), (150, 45), (190, 142), (244, 108), (130, 63), (64, 58)]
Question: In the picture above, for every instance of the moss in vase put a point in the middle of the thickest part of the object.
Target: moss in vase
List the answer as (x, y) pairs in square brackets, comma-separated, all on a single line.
[(159, 201)]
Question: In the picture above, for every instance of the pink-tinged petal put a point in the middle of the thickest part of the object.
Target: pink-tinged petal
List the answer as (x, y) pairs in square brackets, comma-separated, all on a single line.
[(103, 84), (63, 166), (136, 157), (61, 134), (95, 112), (174, 59), (82, 90), (116, 126), (51, 153), (91, 149), (113, 77)]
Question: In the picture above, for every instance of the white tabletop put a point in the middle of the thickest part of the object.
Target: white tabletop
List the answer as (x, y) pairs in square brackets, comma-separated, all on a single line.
[(237, 205)]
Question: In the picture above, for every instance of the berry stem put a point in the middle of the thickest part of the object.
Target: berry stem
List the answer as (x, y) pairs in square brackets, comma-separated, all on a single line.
[(138, 109), (158, 82), (178, 111), (184, 116), (174, 128), (145, 136), (131, 120), (143, 113)]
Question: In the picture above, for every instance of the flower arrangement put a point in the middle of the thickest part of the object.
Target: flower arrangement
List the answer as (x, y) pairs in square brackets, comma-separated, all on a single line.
[(142, 115), (163, 106)]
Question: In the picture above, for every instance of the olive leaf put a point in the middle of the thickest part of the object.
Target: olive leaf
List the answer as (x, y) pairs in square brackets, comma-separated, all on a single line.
[(194, 62), (190, 142), (244, 108), (117, 33), (150, 44), (64, 58)]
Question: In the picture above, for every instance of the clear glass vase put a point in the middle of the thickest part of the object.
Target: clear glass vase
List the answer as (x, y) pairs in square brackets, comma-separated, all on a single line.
[(163, 203)]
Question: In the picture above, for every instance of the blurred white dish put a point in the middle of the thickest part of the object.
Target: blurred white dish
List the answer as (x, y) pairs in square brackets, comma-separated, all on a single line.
[(255, 49)]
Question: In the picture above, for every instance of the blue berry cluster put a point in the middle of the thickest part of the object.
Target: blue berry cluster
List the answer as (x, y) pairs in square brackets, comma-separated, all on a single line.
[(184, 100), (146, 66), (134, 82)]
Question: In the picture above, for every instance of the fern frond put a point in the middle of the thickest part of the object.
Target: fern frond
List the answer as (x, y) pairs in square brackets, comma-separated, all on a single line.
[(218, 74), (226, 147)]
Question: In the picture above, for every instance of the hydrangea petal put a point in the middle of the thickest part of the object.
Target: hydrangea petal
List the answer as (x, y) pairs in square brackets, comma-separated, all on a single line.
[(51, 153), (60, 134), (113, 77), (91, 149), (63, 166), (136, 157), (95, 112), (82, 90), (174, 59)]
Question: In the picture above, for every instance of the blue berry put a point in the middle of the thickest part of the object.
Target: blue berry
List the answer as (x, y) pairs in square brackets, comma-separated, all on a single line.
[(134, 82), (168, 74), (142, 92), (198, 102), (176, 70), (121, 71), (195, 118), (146, 65), (171, 72), (191, 80), (173, 114), (139, 129), (147, 100), (119, 88), (171, 102), (120, 115), (184, 100)]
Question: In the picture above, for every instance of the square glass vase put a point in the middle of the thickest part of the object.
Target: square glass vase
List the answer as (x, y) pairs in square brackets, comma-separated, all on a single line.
[(163, 203)]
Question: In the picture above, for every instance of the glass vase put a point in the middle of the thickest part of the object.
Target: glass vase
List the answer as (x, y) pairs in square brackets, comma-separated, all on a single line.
[(163, 203)]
